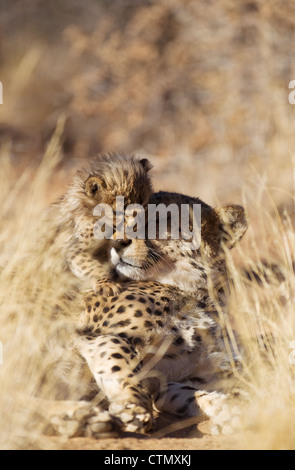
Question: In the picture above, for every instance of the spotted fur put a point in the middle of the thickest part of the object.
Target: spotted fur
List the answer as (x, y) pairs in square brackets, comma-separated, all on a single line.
[(159, 342)]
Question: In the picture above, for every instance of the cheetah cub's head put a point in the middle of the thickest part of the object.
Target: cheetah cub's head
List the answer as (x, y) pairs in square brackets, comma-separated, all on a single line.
[(118, 175), (106, 177), (175, 261)]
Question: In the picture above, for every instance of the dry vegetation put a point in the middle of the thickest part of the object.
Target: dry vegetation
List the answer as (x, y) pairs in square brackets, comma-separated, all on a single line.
[(201, 88)]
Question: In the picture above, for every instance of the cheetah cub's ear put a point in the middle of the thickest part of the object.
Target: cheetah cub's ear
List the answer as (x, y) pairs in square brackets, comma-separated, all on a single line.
[(146, 164), (233, 224), (93, 187)]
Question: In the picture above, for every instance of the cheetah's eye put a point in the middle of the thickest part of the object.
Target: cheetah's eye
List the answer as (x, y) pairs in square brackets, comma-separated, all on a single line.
[(94, 189), (93, 186)]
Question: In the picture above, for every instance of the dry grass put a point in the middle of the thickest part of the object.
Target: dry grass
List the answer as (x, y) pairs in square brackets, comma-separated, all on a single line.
[(201, 88), (263, 313), (28, 296)]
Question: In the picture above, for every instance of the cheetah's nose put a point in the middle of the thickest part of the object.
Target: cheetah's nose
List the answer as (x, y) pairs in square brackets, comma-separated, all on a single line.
[(121, 244)]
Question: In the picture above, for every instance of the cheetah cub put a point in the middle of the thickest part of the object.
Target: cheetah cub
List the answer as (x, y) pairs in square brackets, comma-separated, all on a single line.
[(101, 181)]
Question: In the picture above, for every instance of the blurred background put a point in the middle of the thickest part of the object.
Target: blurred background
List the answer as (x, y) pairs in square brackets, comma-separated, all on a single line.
[(198, 86)]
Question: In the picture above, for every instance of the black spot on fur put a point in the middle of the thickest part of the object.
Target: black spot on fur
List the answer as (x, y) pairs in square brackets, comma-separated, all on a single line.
[(87, 330), (115, 341), (158, 313), (136, 340), (125, 349), (121, 309), (123, 335), (117, 356), (178, 341), (121, 323), (130, 297)]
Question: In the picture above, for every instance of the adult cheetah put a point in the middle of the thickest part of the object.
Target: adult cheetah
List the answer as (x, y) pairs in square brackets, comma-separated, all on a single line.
[(159, 342)]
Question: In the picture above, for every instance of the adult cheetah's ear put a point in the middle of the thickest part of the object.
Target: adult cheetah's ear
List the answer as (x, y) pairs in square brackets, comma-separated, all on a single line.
[(93, 185), (233, 224), (146, 164)]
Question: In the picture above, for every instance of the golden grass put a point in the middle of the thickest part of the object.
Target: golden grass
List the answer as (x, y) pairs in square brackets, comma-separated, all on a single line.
[(28, 294), (30, 290), (262, 311)]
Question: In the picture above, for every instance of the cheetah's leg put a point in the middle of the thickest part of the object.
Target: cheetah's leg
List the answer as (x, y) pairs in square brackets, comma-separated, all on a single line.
[(67, 418), (187, 401), (111, 361), (84, 266)]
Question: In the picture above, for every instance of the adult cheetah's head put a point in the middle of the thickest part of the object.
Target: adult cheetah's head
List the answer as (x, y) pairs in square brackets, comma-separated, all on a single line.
[(174, 262)]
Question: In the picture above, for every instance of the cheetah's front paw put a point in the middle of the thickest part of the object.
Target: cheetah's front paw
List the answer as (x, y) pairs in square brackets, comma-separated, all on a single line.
[(134, 418), (224, 411), (107, 287), (83, 419)]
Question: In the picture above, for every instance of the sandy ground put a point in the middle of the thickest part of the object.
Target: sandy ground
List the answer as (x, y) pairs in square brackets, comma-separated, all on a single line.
[(196, 437), (171, 444)]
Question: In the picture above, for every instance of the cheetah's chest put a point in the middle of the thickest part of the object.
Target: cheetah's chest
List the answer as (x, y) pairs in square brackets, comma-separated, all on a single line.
[(152, 319)]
